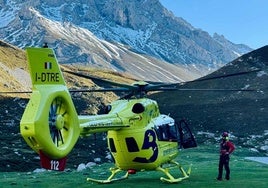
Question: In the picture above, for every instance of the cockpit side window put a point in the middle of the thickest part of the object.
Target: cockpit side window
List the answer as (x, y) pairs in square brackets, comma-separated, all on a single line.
[(166, 132)]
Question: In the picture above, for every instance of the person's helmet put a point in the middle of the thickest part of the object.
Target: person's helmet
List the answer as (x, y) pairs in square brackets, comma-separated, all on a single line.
[(225, 135)]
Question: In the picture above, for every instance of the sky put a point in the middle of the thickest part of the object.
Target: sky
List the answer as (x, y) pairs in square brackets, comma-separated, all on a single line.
[(240, 21)]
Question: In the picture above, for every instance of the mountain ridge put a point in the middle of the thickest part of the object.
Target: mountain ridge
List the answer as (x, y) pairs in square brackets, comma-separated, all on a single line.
[(114, 35)]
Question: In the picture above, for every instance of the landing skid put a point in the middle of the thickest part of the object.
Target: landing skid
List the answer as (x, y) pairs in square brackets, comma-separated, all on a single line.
[(170, 178), (110, 179)]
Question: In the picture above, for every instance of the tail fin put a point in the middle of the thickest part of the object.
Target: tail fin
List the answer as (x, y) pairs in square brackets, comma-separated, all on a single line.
[(49, 123), (44, 68)]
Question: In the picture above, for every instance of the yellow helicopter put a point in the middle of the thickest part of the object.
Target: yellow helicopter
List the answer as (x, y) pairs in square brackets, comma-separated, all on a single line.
[(139, 137)]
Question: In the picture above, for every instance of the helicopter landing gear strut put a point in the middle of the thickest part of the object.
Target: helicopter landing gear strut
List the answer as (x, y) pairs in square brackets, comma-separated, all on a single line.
[(170, 178), (110, 179)]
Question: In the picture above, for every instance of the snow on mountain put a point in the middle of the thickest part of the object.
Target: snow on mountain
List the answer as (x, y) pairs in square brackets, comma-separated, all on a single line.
[(239, 49), (8, 13), (136, 36)]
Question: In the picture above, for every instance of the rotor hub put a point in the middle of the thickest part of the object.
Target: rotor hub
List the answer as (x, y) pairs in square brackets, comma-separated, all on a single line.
[(59, 121)]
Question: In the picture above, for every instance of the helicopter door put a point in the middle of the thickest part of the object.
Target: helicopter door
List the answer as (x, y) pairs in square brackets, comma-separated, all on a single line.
[(185, 137)]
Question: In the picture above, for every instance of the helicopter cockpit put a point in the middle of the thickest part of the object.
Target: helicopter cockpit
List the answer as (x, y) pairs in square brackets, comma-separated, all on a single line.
[(165, 128), (168, 130)]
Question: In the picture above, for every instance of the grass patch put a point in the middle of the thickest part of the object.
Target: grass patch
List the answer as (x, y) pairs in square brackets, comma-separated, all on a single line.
[(244, 173)]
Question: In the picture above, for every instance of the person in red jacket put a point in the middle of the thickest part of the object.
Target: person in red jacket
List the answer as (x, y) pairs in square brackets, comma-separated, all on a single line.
[(226, 148)]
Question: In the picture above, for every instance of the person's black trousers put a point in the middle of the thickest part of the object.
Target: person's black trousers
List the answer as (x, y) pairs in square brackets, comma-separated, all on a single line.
[(224, 162)]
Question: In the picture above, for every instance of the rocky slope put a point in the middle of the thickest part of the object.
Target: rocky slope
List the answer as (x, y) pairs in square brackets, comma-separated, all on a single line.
[(127, 36)]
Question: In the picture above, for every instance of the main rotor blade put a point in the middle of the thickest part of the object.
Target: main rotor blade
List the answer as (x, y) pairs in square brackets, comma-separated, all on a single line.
[(150, 87), (166, 86), (76, 90), (197, 89), (93, 78), (14, 92), (222, 76), (100, 90)]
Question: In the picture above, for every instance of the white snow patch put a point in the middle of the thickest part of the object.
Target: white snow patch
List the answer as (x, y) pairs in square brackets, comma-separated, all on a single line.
[(238, 54), (53, 12), (7, 16)]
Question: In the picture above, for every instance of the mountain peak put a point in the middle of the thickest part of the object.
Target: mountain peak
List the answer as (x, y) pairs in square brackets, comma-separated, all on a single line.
[(121, 36)]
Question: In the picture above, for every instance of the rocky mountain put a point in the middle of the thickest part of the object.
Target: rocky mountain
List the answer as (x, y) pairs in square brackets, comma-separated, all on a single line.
[(128, 36)]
